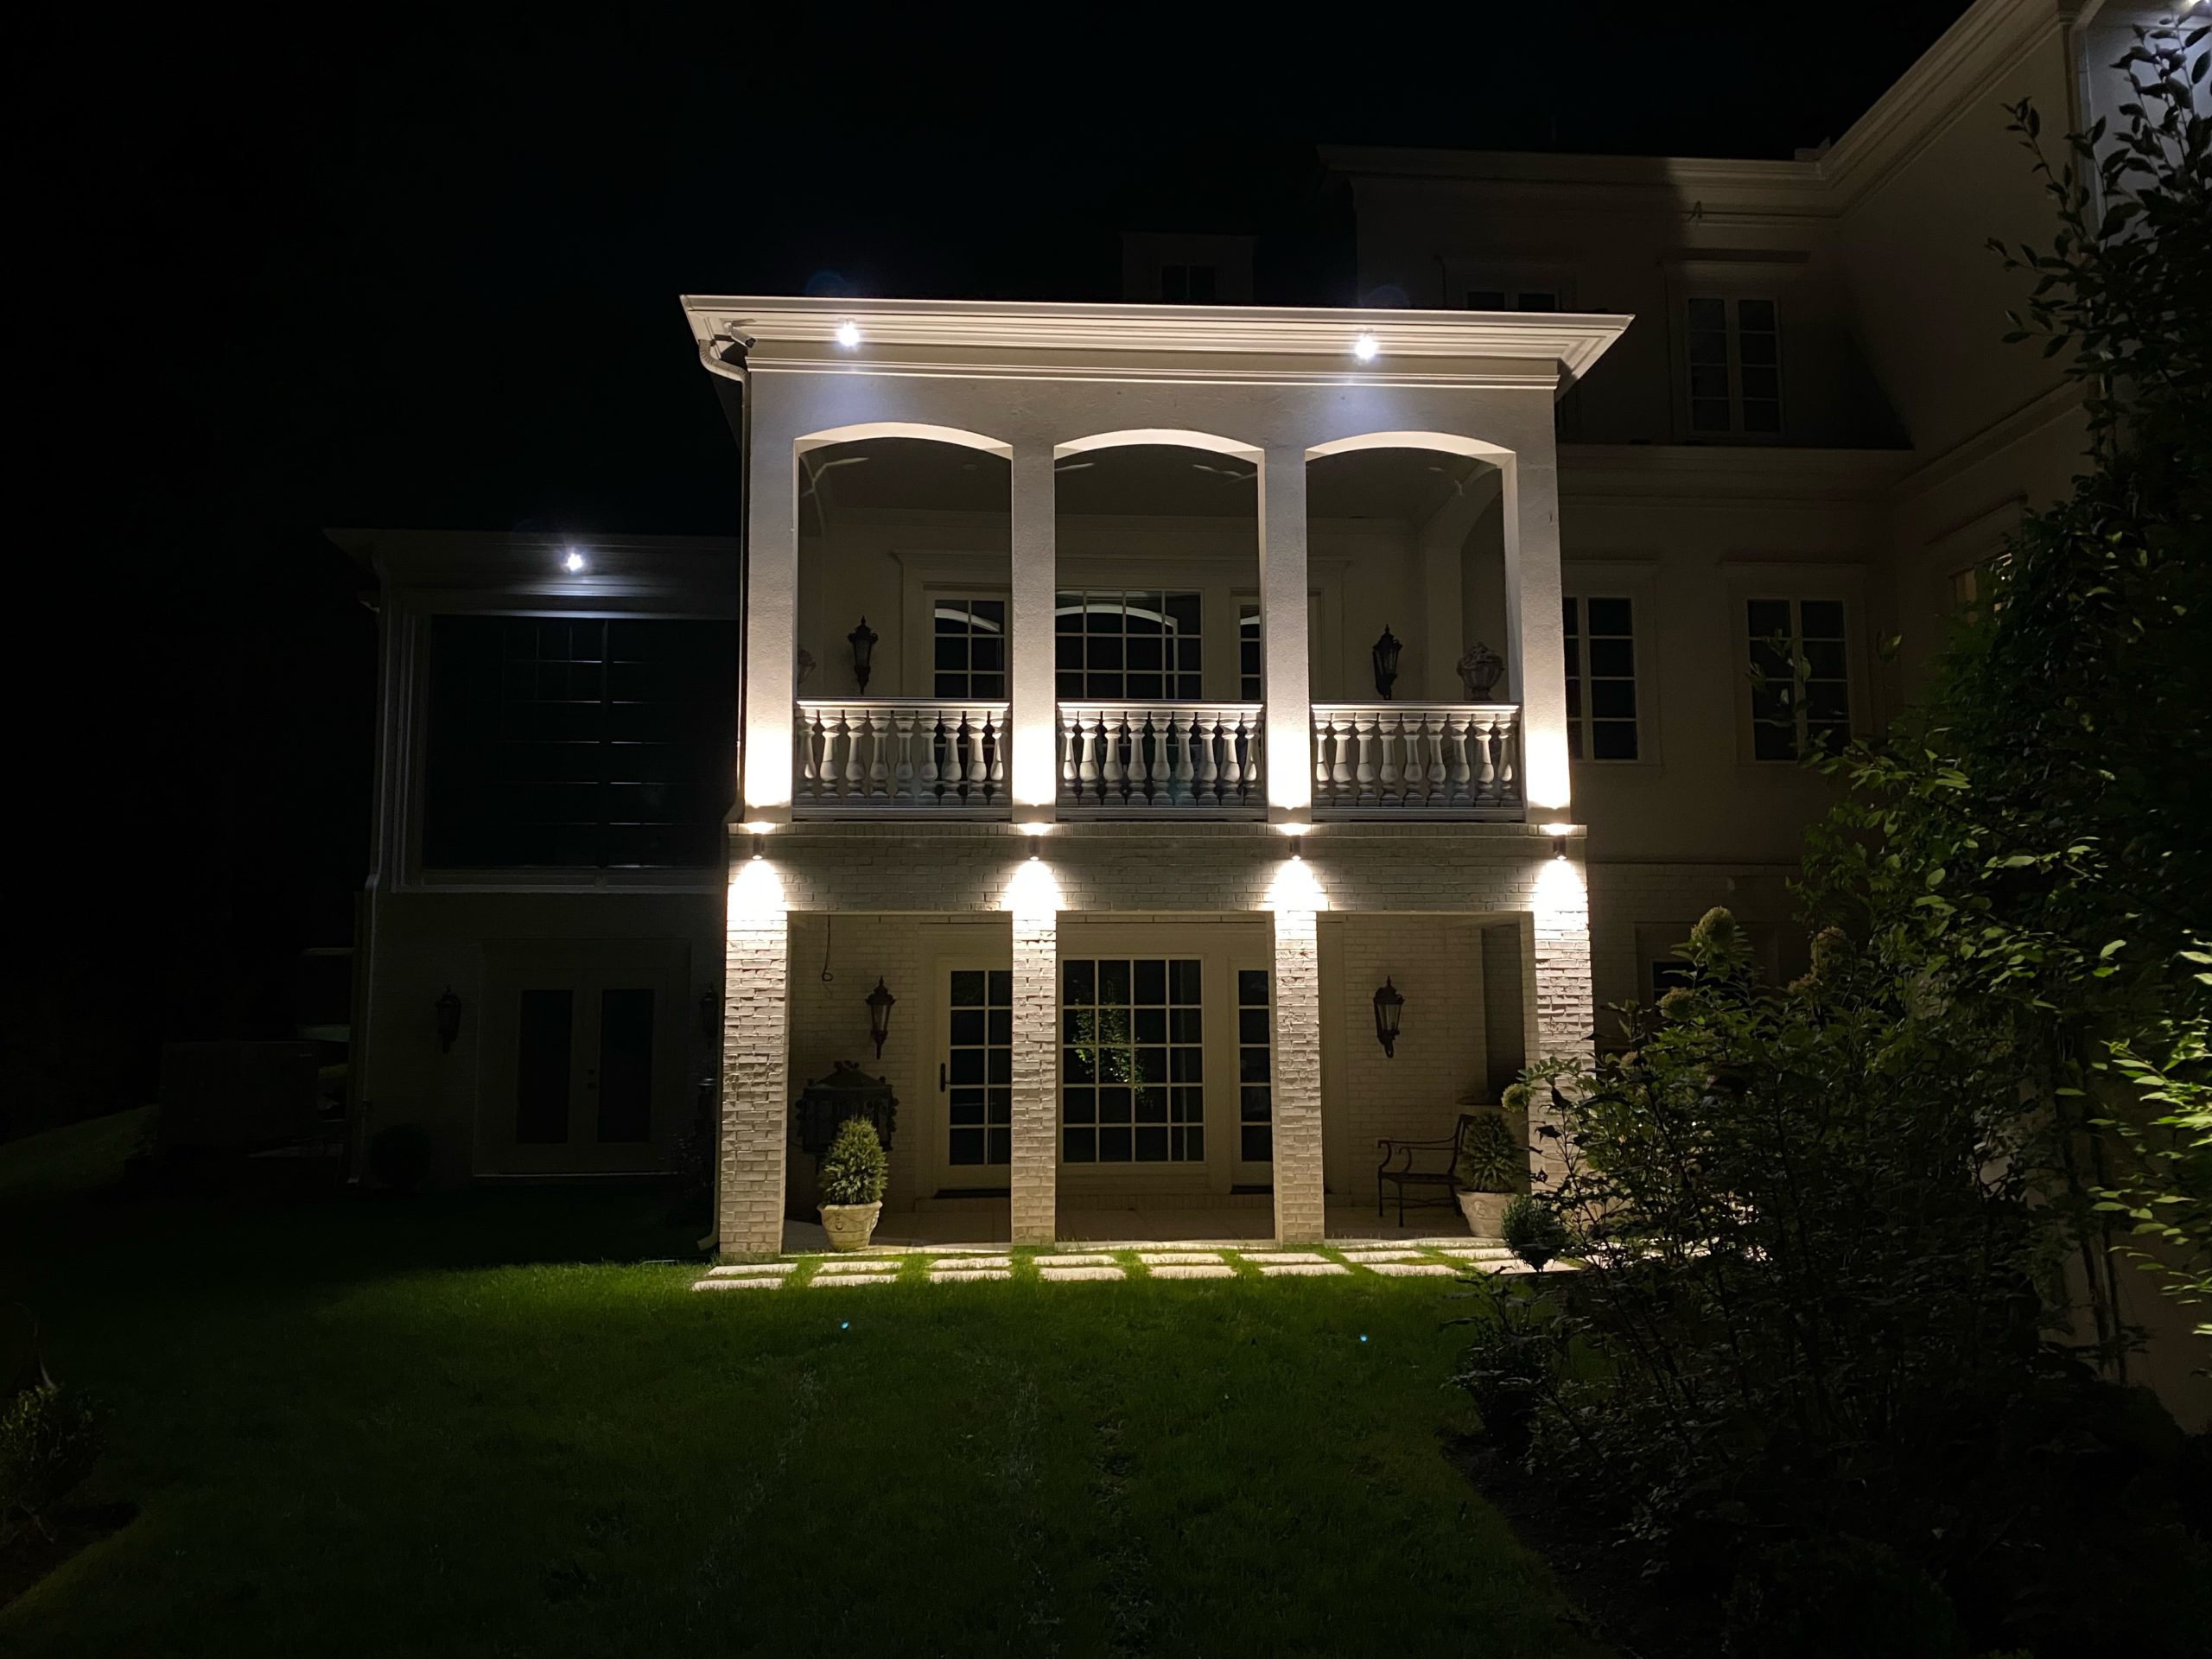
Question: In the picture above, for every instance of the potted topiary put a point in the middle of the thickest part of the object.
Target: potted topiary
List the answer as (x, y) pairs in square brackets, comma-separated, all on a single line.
[(1487, 1173), (852, 1185)]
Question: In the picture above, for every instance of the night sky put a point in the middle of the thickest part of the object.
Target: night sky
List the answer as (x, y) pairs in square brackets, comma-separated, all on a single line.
[(367, 276)]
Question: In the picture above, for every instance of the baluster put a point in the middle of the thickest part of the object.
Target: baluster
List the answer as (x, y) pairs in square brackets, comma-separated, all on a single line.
[(1390, 736), (995, 738), (809, 727), (1344, 730), (1181, 779), (1458, 728), (1363, 734), (1248, 729), (1434, 727), (1322, 727), (1087, 770), (1482, 729), (1113, 723), (973, 769), (1206, 774), (1509, 756), (1232, 769), (903, 722)]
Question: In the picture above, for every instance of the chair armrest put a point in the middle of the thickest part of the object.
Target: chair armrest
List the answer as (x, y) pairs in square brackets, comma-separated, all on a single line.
[(1391, 1149)]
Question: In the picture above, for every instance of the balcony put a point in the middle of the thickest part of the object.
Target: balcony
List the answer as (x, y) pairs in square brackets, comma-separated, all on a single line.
[(1417, 759), (1146, 760), (918, 757), (874, 756)]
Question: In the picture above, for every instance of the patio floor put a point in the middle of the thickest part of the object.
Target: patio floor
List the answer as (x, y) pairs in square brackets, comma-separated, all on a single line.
[(1228, 1224)]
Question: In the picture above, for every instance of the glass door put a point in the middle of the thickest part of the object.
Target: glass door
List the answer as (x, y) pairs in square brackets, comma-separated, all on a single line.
[(976, 1079), (1255, 1150)]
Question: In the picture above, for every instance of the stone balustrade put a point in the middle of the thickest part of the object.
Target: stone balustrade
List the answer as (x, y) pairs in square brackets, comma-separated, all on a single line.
[(1446, 759), (894, 755), (1169, 757)]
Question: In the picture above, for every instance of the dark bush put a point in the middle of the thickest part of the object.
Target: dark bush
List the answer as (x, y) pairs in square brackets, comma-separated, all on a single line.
[(399, 1156), (1837, 1597), (49, 1441), (1532, 1230)]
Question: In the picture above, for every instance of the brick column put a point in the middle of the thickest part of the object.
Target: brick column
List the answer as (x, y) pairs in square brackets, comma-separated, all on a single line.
[(1033, 1176), (1557, 994), (1297, 1092), (755, 1045)]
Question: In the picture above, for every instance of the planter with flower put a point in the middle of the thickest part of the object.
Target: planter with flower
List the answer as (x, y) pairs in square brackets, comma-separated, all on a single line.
[(851, 1184)]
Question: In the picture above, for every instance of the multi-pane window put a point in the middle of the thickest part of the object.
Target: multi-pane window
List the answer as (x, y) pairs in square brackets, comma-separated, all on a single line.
[(1509, 299), (1132, 1083), (1801, 683), (970, 662), (1600, 678), (578, 742), (979, 1067), (1188, 284), (1256, 1129), (1114, 645), (1251, 680), (1735, 367)]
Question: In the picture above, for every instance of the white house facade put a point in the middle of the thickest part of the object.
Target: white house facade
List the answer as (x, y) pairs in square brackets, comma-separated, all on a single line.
[(1135, 691)]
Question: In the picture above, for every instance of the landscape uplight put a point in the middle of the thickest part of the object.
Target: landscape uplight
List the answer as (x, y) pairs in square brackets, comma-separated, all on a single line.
[(1367, 348), (573, 563)]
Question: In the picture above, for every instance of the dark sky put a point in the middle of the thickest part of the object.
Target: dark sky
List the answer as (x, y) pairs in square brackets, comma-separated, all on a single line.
[(355, 272)]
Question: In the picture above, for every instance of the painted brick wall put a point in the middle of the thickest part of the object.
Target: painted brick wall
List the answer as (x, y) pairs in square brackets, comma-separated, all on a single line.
[(1033, 1190), (749, 1168), (1437, 966), (828, 1023), (1300, 1206)]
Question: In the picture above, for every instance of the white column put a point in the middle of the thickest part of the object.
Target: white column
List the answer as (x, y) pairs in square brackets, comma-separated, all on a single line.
[(1032, 1178), (1283, 585), (1296, 1095), (1033, 773), (1555, 999), (1537, 654), (771, 625), (755, 1125)]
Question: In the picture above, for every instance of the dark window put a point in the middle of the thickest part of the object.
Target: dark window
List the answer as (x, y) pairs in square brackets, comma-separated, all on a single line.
[(1601, 711), (1256, 1131), (1522, 299), (1251, 678), (1188, 284), (1800, 676), (1132, 1083), (1668, 972), (1112, 647), (1733, 349), (979, 1068), (579, 742), (626, 1065), (971, 661), (544, 1033)]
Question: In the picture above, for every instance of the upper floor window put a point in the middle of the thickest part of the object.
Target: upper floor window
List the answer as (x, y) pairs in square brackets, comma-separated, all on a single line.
[(1182, 284), (1601, 713), (1734, 356), (1512, 299), (1800, 678), (1112, 646), (970, 662), (1250, 679), (579, 742)]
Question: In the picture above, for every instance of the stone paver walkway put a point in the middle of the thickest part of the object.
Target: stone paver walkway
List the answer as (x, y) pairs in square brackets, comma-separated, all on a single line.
[(1387, 1260)]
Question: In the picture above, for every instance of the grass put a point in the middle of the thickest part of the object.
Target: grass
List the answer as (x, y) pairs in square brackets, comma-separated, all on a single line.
[(367, 1427)]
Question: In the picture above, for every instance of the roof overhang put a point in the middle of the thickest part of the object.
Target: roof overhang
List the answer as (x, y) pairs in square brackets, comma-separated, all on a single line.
[(1214, 344)]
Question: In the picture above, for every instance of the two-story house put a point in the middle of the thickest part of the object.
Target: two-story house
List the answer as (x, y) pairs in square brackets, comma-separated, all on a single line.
[(1227, 734)]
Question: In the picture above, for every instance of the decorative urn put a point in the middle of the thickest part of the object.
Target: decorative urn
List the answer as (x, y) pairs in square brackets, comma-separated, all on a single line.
[(1480, 670)]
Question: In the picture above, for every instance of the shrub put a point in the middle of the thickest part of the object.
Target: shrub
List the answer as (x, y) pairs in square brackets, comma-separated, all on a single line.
[(399, 1156), (1489, 1160), (49, 1442), (1532, 1230), (1516, 1360), (1838, 1598), (853, 1169)]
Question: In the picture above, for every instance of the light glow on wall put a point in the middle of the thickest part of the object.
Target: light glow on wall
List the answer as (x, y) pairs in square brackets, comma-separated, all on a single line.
[(1033, 893), (848, 335), (1295, 887), (1559, 894), (756, 893), (1367, 348)]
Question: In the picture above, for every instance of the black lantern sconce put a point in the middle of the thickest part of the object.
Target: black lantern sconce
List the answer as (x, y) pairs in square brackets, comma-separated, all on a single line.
[(1389, 1003), (710, 1011), (1386, 662), (880, 1004), (863, 640), (449, 1006)]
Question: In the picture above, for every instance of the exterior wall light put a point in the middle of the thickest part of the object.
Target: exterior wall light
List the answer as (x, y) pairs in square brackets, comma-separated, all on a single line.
[(710, 1011), (574, 563), (1386, 662), (449, 1007), (848, 335), (1036, 844), (1367, 348), (863, 640), (1390, 1004), (880, 1004), (1558, 833)]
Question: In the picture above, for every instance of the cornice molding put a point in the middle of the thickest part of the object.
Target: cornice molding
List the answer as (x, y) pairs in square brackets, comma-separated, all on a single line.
[(1231, 345)]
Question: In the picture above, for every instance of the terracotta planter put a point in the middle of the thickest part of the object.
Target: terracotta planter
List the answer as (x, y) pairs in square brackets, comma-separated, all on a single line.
[(1485, 1212), (850, 1225)]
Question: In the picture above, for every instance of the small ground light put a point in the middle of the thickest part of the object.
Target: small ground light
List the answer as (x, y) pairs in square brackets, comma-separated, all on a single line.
[(573, 563), (1367, 348), (1363, 1335), (846, 1324), (848, 334)]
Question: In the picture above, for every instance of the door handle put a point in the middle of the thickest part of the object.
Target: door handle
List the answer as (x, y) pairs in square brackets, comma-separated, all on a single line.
[(940, 1077)]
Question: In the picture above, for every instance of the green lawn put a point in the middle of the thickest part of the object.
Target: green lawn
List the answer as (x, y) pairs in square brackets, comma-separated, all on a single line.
[(443, 1428)]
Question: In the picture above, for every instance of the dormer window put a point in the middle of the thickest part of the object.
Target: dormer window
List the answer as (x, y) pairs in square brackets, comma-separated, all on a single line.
[(1513, 299), (1734, 354)]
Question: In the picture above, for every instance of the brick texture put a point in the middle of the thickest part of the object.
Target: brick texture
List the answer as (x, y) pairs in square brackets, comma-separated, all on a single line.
[(1035, 1193), (750, 1162), (1297, 1093)]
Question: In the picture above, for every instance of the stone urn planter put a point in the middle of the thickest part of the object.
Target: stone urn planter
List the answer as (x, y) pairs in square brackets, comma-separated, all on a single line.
[(1485, 1212), (850, 1225)]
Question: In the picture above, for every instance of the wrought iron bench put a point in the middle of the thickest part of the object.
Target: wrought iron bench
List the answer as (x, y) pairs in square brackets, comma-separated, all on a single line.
[(1413, 1160)]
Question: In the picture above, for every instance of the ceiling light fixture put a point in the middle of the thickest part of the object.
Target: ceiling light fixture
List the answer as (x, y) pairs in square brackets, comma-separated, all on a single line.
[(848, 334), (1367, 348)]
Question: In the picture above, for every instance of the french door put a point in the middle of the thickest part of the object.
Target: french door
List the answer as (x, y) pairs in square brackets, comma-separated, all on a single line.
[(974, 1139)]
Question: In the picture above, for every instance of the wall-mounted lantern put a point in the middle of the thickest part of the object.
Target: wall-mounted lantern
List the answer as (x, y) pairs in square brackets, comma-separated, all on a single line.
[(1386, 662), (879, 1002), (449, 1006), (863, 640), (1390, 1004), (710, 1011)]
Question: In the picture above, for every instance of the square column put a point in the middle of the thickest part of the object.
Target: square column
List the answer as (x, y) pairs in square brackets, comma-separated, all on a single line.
[(1296, 1095), (1289, 757), (1537, 651), (754, 1129), (1555, 993), (770, 598), (1034, 1174), (1034, 769)]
